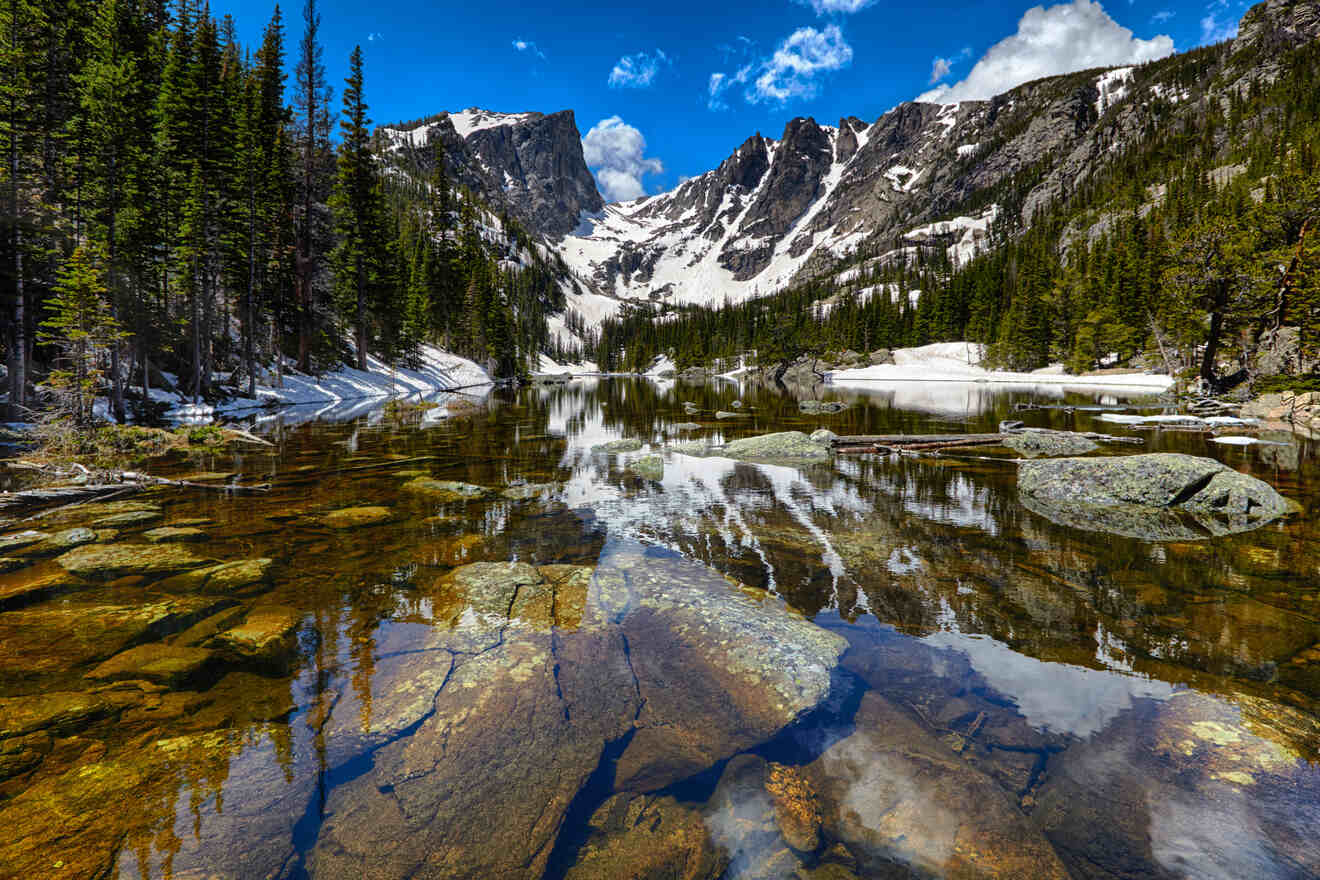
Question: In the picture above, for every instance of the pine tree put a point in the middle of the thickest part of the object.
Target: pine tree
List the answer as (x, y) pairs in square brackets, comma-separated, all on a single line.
[(358, 257), (81, 327), (312, 97)]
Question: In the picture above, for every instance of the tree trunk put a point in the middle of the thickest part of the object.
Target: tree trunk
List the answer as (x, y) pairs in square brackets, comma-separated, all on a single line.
[(361, 323), (249, 320), (1212, 347)]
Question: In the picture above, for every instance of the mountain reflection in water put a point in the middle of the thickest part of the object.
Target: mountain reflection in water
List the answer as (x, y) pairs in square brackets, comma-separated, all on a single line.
[(509, 655)]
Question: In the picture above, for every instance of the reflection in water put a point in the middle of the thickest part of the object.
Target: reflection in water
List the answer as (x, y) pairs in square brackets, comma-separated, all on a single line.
[(860, 669)]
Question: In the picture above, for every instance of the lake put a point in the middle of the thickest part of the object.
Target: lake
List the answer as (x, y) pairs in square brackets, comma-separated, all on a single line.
[(474, 647)]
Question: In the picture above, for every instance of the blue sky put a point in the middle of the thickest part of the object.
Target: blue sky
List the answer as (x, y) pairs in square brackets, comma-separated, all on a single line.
[(673, 88)]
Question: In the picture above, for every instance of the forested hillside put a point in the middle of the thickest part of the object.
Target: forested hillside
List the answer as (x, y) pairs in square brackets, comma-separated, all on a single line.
[(1191, 248), (173, 208)]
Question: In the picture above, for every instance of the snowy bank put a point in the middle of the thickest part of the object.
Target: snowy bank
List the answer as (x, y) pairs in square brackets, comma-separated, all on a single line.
[(960, 362), (439, 371)]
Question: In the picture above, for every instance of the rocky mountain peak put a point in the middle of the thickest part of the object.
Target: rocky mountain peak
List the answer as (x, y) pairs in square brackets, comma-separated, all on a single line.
[(530, 164)]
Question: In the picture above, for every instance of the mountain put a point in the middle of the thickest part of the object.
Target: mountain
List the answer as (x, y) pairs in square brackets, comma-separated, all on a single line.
[(921, 178), (528, 163)]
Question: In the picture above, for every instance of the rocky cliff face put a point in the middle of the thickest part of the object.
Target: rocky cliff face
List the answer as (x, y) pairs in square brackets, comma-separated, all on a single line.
[(529, 163)]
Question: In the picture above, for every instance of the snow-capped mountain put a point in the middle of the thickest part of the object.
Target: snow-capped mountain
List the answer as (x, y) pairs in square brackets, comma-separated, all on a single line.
[(922, 176)]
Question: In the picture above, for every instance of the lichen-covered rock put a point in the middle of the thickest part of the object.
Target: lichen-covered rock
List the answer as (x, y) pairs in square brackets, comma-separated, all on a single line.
[(896, 796), (628, 444), (357, 517), (239, 576), (1192, 786), (647, 838), (169, 665), (652, 467), (1039, 444), (784, 445), (1157, 497), (110, 561), (445, 491), (175, 535)]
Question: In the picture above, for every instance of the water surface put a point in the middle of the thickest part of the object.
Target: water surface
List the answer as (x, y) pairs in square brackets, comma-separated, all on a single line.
[(882, 666)]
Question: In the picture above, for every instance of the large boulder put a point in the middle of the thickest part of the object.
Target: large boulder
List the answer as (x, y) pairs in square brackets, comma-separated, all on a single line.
[(898, 799), (1192, 786), (1159, 497), (784, 445)]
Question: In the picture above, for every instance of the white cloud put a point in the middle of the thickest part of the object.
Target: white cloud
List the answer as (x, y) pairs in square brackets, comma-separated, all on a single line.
[(637, 71), (528, 46), (843, 7), (791, 71), (1061, 39), (721, 83), (375, 36), (617, 152), (1162, 16), (941, 67)]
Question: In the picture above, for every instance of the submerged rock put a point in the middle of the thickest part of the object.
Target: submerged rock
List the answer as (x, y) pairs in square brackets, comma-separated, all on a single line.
[(19, 540), (54, 640), (129, 518), (784, 445), (652, 467), (445, 491), (1193, 786), (24, 588), (266, 636), (169, 665), (63, 713), (530, 491), (721, 414), (62, 541), (511, 691), (1157, 497), (175, 535), (110, 561), (640, 836), (1036, 444), (698, 640), (10, 563), (630, 444), (687, 426), (357, 517), (227, 577), (895, 796)]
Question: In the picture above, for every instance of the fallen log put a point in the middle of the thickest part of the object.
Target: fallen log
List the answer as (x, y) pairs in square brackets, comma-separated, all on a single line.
[(861, 443)]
